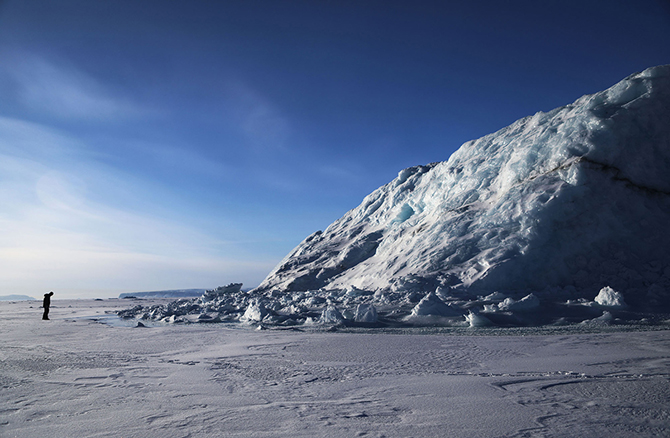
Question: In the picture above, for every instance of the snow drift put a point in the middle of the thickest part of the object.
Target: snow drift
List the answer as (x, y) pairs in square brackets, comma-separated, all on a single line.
[(555, 207)]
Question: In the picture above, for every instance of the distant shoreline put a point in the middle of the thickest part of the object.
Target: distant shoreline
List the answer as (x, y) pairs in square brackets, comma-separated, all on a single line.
[(17, 298), (176, 293)]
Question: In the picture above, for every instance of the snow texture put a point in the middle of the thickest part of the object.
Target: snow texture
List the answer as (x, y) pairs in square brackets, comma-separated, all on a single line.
[(75, 377), (521, 225)]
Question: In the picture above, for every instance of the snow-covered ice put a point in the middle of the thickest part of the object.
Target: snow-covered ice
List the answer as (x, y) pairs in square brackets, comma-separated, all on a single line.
[(558, 204), (365, 313), (608, 297), (76, 377), (476, 320), (525, 304), (547, 221)]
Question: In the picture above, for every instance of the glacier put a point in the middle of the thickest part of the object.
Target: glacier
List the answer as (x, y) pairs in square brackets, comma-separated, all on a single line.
[(518, 225)]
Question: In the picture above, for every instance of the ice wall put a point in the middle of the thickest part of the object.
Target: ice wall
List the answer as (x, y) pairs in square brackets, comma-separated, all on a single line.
[(562, 203)]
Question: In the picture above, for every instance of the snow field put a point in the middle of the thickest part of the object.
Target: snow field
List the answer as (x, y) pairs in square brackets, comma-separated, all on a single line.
[(74, 376)]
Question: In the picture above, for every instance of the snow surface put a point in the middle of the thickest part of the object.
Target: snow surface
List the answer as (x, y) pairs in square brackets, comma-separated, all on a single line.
[(75, 377), (526, 226)]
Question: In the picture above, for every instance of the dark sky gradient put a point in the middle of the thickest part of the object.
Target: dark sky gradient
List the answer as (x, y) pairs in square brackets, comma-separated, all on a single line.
[(252, 124)]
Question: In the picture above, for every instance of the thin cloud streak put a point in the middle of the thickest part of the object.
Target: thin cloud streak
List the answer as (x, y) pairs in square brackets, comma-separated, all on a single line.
[(105, 272), (74, 244), (21, 138), (64, 92), (182, 160), (264, 126), (58, 232)]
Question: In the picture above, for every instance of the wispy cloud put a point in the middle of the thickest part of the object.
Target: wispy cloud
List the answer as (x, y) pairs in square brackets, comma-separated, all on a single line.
[(62, 91), (59, 239), (341, 172), (57, 231), (183, 160), (263, 124), (81, 273), (31, 140), (75, 215)]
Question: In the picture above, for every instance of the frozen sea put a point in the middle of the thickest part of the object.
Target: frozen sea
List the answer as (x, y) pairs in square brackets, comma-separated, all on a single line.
[(81, 375)]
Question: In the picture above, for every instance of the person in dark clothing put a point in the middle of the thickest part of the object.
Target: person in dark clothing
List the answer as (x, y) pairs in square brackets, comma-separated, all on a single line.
[(46, 303)]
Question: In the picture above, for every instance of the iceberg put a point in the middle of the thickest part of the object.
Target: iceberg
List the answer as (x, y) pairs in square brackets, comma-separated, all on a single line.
[(572, 199), (551, 209)]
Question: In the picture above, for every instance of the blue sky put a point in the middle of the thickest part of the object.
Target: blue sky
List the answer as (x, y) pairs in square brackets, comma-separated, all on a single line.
[(150, 145)]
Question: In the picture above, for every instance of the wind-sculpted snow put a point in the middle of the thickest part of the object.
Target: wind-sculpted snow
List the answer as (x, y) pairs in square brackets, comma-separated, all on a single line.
[(545, 212), (76, 376)]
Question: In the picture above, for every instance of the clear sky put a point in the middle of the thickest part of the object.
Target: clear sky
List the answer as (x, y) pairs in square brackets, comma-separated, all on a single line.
[(149, 145)]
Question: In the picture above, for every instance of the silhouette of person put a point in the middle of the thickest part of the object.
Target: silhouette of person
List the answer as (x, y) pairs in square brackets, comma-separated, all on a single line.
[(46, 303)]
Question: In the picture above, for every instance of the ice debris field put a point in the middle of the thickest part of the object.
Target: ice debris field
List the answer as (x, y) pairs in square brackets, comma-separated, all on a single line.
[(560, 218), (229, 304)]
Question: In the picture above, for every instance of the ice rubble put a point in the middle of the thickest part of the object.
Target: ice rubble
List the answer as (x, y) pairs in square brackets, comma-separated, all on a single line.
[(525, 304), (552, 208), (476, 320), (608, 297)]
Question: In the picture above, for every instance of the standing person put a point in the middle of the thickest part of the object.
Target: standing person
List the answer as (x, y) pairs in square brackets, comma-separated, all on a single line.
[(46, 303)]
